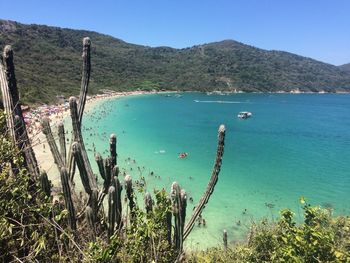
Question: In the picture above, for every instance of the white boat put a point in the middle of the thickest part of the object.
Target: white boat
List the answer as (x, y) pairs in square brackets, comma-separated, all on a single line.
[(244, 115)]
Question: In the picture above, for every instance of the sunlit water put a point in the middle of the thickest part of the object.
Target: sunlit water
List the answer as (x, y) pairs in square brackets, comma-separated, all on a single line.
[(293, 146)]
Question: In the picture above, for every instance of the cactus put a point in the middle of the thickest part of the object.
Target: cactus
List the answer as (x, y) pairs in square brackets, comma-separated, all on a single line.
[(129, 193), (85, 77), (78, 114), (113, 149), (112, 208), (178, 198), (118, 189), (89, 214), (62, 140), (169, 226), (224, 238), (52, 143), (108, 174), (12, 108), (93, 203), (45, 183), (148, 202), (68, 198), (212, 182), (183, 200), (99, 161), (115, 171), (77, 137), (77, 153)]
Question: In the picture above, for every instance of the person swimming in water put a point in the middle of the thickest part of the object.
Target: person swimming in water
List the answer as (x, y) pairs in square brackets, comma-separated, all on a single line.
[(183, 155)]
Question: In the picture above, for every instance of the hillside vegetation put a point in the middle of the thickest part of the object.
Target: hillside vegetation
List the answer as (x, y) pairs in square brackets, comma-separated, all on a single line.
[(46, 65)]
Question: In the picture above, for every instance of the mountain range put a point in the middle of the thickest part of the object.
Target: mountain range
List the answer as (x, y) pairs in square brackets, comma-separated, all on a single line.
[(48, 63)]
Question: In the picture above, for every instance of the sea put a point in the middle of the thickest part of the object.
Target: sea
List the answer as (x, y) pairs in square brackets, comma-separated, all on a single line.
[(294, 146)]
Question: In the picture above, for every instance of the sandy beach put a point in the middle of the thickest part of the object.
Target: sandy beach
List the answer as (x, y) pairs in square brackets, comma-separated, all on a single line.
[(56, 114)]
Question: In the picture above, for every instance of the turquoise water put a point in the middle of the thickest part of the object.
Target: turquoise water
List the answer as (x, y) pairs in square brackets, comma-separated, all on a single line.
[(293, 146)]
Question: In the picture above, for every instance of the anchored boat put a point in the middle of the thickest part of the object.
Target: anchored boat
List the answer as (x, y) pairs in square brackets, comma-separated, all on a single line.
[(244, 115)]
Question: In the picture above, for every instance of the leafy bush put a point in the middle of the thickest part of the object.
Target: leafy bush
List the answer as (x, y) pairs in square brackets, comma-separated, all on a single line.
[(320, 238), (25, 230)]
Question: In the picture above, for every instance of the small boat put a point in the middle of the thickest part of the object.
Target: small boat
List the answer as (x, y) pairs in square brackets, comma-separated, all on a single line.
[(183, 155), (244, 115)]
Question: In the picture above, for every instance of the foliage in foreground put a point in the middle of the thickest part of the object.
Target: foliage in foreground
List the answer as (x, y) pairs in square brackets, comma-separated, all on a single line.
[(25, 228), (32, 229), (145, 239), (320, 238)]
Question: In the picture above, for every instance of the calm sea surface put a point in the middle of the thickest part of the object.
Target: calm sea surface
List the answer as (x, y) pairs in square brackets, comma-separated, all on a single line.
[(293, 146)]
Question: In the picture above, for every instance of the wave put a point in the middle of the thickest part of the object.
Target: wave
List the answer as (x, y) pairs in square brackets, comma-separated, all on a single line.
[(220, 101)]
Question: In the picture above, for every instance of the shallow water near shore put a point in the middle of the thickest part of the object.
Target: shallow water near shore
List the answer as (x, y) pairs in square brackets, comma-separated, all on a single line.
[(292, 146)]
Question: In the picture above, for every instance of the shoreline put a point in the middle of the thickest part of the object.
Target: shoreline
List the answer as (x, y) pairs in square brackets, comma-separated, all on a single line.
[(57, 114)]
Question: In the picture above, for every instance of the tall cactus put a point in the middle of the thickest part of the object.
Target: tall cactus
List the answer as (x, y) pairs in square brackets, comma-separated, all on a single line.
[(112, 208), (77, 153), (62, 140), (129, 193), (212, 182), (169, 226), (93, 203), (108, 173), (45, 122), (224, 238), (77, 137), (178, 200), (12, 106), (100, 164), (68, 198), (89, 214), (183, 200), (85, 76), (118, 191), (113, 149), (45, 183), (82, 98)]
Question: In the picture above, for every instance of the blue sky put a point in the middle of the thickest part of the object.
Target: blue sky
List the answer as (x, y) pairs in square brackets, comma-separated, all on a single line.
[(318, 29)]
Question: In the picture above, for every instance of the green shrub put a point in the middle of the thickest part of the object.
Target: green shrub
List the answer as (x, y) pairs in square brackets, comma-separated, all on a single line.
[(320, 238)]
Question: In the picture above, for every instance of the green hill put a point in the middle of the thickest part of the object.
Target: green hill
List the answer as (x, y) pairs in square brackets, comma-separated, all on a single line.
[(345, 67), (48, 63)]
